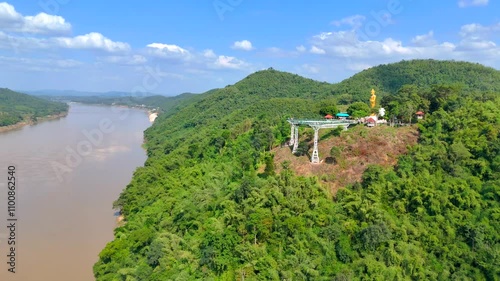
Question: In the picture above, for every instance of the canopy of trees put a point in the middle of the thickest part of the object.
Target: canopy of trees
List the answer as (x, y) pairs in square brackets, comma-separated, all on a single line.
[(358, 109), (388, 79), (16, 107), (208, 205)]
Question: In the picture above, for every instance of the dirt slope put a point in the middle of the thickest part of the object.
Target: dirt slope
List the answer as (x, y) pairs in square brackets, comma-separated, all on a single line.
[(354, 150)]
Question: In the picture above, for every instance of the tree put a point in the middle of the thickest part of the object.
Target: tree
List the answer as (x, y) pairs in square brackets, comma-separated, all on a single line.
[(372, 236), (155, 253), (328, 107), (269, 170), (358, 110)]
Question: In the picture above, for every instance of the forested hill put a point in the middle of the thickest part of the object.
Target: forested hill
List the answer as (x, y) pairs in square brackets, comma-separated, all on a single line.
[(269, 96), (16, 107), (271, 83), (209, 205), (388, 79)]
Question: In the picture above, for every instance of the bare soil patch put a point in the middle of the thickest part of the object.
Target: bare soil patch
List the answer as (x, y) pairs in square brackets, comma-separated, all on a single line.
[(353, 151)]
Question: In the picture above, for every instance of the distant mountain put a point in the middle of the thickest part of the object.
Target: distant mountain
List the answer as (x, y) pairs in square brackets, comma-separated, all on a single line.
[(167, 105), (16, 107), (72, 93)]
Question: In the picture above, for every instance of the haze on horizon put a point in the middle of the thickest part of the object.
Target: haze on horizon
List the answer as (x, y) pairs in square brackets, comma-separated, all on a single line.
[(190, 46)]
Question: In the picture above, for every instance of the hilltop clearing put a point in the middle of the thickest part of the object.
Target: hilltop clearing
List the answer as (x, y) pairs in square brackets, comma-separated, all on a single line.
[(346, 157)]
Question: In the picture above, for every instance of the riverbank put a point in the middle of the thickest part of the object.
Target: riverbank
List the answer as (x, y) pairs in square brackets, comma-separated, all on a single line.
[(152, 116), (30, 122), (152, 113)]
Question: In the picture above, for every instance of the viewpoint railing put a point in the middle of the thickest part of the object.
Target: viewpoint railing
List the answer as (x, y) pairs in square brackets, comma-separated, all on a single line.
[(316, 125)]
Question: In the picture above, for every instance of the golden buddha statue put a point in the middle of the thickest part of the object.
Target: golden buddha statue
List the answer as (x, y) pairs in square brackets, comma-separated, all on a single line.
[(373, 99)]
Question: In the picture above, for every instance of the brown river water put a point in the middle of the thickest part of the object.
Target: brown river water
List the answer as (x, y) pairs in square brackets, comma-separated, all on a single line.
[(68, 172)]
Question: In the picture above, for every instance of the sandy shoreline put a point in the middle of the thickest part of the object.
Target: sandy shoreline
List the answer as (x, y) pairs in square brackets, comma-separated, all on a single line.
[(152, 116), (24, 123)]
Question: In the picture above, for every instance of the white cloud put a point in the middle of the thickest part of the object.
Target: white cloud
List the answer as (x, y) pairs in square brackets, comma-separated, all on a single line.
[(47, 25), (209, 54), (169, 51), (301, 48), (92, 40), (125, 60), (244, 45), (354, 21), (472, 3), (229, 62), (95, 41), (476, 37), (193, 62), (476, 45), (42, 23), (347, 44), (316, 50), (8, 13), (168, 48), (324, 35), (477, 31), (207, 60), (424, 39), (17, 43), (350, 50)]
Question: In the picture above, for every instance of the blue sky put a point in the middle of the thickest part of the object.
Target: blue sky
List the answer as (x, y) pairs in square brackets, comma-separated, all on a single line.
[(171, 47)]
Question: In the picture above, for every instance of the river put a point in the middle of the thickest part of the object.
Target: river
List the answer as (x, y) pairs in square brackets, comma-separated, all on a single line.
[(68, 173)]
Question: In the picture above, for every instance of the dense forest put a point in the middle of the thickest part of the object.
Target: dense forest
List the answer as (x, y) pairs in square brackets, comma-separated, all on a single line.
[(388, 79), (209, 205), (17, 107)]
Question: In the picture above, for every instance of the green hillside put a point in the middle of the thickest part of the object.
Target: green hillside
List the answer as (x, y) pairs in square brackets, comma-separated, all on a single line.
[(170, 105), (16, 107), (209, 205), (388, 79)]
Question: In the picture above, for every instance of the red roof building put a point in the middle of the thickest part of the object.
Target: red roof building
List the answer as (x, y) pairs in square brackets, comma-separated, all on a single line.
[(371, 122), (328, 116)]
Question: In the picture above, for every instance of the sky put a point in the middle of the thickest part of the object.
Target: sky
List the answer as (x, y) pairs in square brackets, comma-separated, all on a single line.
[(171, 47)]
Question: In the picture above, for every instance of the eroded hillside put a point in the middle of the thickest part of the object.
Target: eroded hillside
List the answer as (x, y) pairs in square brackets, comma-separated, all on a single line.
[(344, 158)]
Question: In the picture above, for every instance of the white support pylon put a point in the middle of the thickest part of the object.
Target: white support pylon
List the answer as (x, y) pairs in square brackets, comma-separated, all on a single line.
[(292, 135), (315, 154), (296, 140)]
